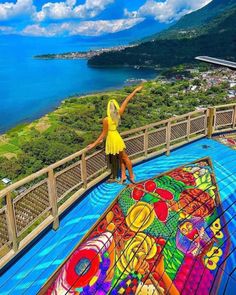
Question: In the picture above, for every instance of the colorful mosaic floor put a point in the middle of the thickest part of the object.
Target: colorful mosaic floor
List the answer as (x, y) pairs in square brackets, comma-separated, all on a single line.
[(227, 139), (165, 235), (31, 270)]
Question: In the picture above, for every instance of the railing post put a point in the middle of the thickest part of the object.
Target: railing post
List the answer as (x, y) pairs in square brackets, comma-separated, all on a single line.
[(234, 117), (188, 127), (168, 136), (206, 122), (52, 189), (84, 170), (146, 142), (11, 222), (211, 119)]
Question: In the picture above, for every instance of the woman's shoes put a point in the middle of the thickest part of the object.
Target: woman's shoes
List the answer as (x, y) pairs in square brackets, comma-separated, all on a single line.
[(123, 180), (131, 179)]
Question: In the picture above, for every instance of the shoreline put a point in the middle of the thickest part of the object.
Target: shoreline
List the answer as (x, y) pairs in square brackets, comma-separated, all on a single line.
[(55, 106), (82, 54)]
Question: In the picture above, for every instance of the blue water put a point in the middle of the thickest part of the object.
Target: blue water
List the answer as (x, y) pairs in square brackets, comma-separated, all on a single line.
[(30, 88), (30, 272)]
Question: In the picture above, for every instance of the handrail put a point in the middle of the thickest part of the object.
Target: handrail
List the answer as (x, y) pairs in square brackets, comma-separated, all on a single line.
[(225, 105), (23, 181), (162, 122), (39, 173), (68, 179)]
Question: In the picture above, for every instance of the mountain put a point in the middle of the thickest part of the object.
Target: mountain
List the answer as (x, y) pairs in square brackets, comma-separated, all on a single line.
[(193, 21), (178, 45), (143, 29), (203, 15)]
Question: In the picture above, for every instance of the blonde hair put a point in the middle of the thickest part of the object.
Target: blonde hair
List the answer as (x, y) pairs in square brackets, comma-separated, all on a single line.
[(113, 111)]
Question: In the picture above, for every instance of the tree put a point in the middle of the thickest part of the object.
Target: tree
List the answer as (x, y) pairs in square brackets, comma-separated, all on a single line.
[(9, 168), (196, 82), (64, 135)]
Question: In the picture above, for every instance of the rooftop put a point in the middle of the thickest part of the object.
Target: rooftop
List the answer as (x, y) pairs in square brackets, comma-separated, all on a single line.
[(217, 61), (6, 180)]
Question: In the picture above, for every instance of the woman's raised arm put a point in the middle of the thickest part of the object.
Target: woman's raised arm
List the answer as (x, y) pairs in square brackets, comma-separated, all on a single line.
[(101, 136), (128, 98)]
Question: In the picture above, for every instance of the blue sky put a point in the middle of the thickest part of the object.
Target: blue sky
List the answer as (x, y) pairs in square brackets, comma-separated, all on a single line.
[(52, 18)]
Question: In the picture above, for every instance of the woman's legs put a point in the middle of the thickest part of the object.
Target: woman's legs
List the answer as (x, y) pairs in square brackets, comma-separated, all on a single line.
[(128, 164), (122, 167)]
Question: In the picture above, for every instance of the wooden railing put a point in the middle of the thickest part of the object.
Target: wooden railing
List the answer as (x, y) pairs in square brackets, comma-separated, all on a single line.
[(52, 190), (224, 118), (165, 135), (47, 194)]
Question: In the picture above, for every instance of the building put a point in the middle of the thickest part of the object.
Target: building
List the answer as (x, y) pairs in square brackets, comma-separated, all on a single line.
[(6, 181)]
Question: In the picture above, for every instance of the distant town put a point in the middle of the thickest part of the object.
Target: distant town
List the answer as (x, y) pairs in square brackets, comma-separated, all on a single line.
[(82, 54), (203, 81)]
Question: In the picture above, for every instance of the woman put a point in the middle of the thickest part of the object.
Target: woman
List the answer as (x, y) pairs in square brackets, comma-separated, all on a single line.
[(114, 143)]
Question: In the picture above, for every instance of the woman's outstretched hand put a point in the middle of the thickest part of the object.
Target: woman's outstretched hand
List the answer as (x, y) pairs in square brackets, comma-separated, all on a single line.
[(139, 88), (90, 146), (128, 98)]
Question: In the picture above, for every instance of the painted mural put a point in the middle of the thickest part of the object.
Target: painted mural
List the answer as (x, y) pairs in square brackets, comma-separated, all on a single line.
[(165, 235), (227, 139)]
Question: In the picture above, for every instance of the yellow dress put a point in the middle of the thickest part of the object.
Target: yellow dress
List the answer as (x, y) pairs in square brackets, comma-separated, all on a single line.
[(114, 142)]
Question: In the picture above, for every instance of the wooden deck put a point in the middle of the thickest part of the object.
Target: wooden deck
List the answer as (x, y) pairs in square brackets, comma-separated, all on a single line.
[(28, 274), (30, 205)]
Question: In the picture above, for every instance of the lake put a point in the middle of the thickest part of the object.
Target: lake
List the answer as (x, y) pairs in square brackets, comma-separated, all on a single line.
[(30, 88)]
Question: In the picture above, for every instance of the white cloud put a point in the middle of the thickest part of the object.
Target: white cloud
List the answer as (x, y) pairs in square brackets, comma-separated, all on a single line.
[(53, 10), (86, 28), (71, 2), (6, 29), (91, 8), (169, 10), (58, 10), (97, 28), (37, 30), (21, 8), (67, 9), (130, 14), (68, 12)]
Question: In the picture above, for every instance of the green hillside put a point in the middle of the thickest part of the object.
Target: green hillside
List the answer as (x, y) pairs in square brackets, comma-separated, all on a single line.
[(191, 23), (204, 15), (217, 39)]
